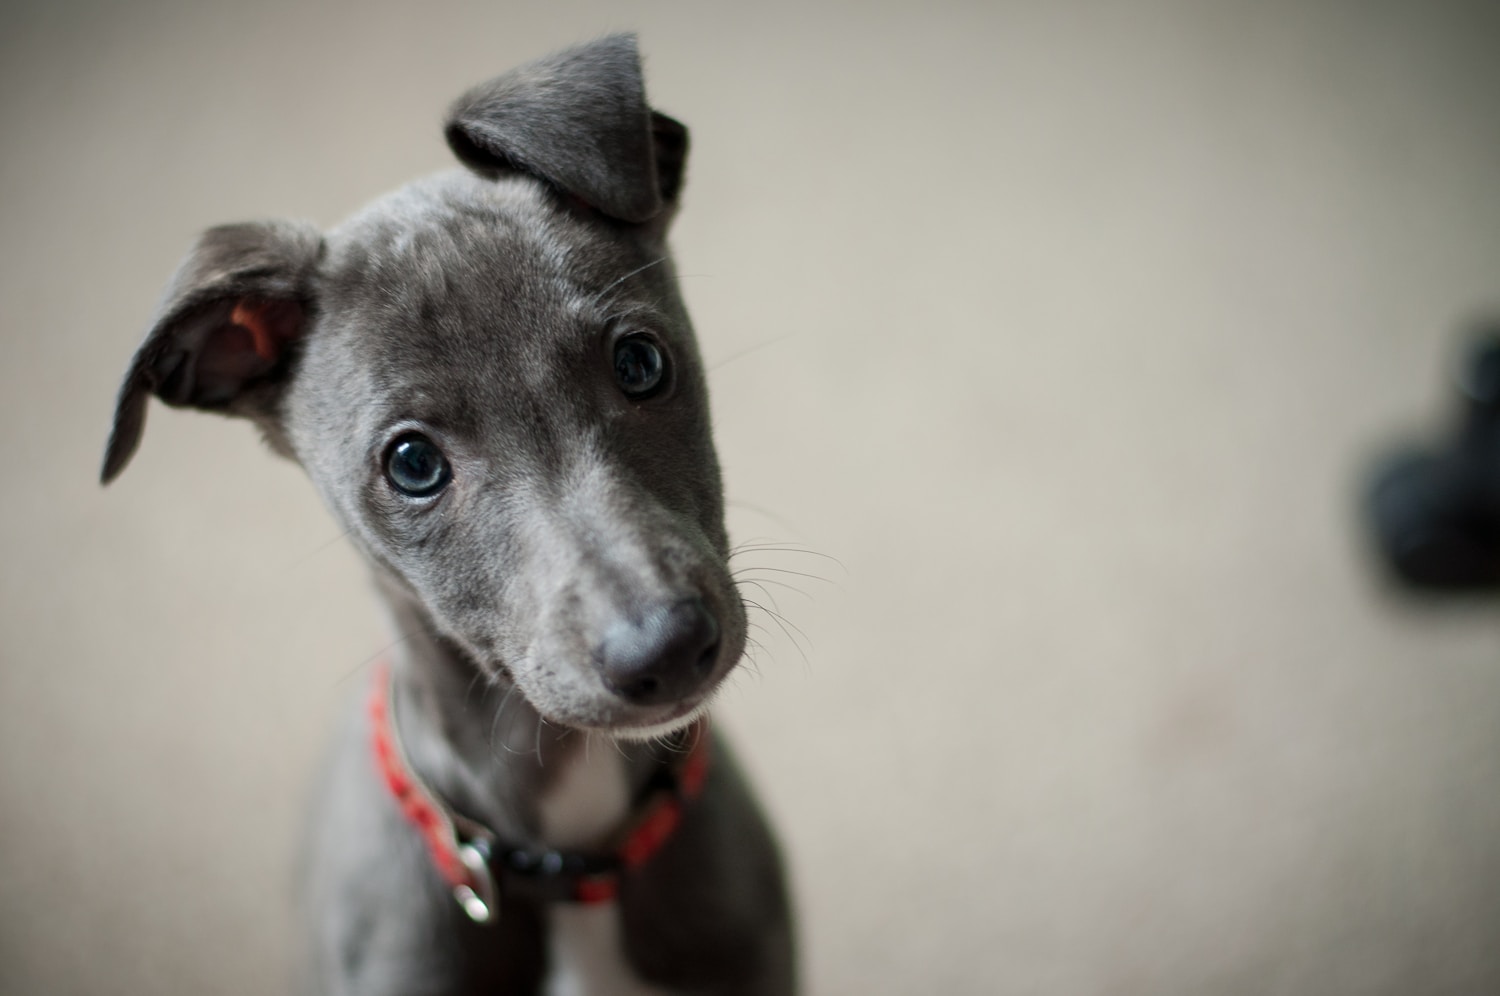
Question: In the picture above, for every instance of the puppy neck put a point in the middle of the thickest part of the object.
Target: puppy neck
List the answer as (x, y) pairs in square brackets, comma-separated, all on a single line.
[(481, 746)]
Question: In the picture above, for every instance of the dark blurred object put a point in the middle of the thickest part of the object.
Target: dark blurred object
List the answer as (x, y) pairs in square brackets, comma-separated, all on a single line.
[(1436, 512)]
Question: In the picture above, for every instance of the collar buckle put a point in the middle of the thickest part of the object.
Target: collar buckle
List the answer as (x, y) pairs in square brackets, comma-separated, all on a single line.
[(478, 896)]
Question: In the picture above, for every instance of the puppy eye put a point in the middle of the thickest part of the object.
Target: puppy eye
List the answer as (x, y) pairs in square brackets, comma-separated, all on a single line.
[(416, 467), (640, 367)]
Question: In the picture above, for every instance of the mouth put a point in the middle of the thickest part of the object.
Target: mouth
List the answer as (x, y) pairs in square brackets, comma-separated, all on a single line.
[(625, 720), (674, 720)]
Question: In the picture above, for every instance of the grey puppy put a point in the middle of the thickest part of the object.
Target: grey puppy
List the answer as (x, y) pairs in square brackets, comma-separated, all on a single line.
[(490, 377)]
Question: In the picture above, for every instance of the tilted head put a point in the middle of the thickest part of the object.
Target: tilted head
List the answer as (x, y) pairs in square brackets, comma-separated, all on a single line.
[(490, 377)]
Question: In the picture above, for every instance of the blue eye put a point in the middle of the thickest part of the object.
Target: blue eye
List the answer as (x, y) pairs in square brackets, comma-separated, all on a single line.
[(640, 367), (416, 467)]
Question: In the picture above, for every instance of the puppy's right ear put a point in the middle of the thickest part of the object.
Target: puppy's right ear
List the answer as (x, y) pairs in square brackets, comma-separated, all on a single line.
[(222, 338)]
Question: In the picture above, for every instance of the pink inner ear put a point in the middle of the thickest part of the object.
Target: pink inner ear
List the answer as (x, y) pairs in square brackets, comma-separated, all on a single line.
[(245, 346), (271, 324)]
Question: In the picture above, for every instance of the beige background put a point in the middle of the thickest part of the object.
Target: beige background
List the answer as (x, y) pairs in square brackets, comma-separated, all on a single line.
[(1068, 329)]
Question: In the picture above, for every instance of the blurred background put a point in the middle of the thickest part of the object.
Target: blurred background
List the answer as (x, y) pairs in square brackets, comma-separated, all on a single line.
[(1069, 329)]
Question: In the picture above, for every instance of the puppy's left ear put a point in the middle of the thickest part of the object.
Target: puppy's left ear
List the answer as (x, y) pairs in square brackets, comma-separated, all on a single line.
[(225, 332), (579, 121)]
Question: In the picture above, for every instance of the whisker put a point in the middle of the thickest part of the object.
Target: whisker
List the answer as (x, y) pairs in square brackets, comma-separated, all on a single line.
[(766, 591), (314, 552), (758, 628), (495, 725), (478, 677), (770, 547), (779, 584), (541, 722), (783, 624), (621, 280), (780, 570), (759, 510), (748, 661), (373, 657), (777, 615), (752, 349)]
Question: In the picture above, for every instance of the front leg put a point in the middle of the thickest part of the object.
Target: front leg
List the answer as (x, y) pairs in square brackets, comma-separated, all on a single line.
[(710, 913)]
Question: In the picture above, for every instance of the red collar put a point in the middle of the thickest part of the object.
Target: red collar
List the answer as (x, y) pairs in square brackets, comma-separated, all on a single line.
[(471, 858)]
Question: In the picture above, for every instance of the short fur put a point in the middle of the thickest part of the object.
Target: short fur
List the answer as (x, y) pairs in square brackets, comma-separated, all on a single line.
[(481, 307)]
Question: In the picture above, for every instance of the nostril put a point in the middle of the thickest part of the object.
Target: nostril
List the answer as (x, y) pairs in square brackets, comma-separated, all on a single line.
[(661, 656), (707, 659), (643, 687)]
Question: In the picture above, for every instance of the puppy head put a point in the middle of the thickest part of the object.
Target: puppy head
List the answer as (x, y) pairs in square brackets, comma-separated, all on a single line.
[(492, 381)]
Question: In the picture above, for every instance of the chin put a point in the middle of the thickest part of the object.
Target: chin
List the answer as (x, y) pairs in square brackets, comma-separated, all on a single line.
[(662, 728), (633, 723)]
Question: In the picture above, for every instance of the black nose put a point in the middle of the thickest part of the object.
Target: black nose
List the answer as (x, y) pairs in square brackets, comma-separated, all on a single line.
[(663, 656)]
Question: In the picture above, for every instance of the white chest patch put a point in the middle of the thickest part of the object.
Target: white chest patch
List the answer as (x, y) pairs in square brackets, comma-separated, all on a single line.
[(586, 804)]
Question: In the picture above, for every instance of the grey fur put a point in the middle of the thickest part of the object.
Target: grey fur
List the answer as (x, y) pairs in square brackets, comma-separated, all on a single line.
[(626, 160), (481, 308)]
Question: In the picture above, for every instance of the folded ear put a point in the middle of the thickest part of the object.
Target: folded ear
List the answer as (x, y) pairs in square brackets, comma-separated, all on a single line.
[(221, 338), (578, 120)]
